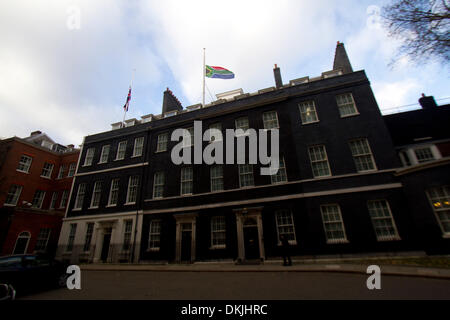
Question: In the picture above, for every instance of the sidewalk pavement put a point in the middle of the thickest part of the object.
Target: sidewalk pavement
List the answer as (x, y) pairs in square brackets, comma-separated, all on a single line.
[(274, 266)]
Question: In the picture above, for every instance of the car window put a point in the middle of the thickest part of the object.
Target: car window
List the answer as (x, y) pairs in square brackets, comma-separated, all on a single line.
[(10, 262)]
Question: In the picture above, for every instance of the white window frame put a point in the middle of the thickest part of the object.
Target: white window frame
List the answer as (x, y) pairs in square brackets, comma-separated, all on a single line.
[(79, 199), (186, 182), (138, 147), (303, 108), (47, 170), (345, 104), (268, 122), (132, 191), (105, 153), (420, 149), (39, 199), (291, 224), (323, 160), (64, 198), (340, 222), (127, 232), (96, 195), (23, 234), (362, 155), (441, 204), (248, 172), (88, 237), (72, 169), (120, 155), (159, 184), (218, 226), (14, 196), (71, 238), (280, 173), (186, 136), (237, 125), (89, 158), (40, 239), (217, 126), (115, 186), (393, 237), (24, 166), (154, 232), (215, 178), (162, 143), (62, 170), (53, 200)]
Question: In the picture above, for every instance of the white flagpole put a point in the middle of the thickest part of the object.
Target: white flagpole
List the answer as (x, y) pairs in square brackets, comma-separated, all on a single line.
[(204, 76), (125, 111)]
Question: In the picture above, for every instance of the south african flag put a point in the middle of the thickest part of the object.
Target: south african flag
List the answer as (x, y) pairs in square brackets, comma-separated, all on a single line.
[(218, 72)]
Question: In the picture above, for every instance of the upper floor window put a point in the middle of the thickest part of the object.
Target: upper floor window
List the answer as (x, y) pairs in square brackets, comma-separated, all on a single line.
[(218, 232), (242, 123), (216, 126), (72, 168), (121, 148), (154, 236), (158, 185), (47, 170), (285, 225), (42, 239), (333, 223), (346, 105), (138, 146), (24, 163), (64, 198), (96, 193), (188, 137), (114, 192), (133, 182), (105, 153), (186, 180), (382, 220), (80, 196), (319, 161), (362, 155), (13, 195), (38, 199), (424, 154), (62, 171), (246, 175), (280, 176), (216, 173), (308, 112), (440, 201), (270, 120), (89, 156), (163, 139), (53, 200)]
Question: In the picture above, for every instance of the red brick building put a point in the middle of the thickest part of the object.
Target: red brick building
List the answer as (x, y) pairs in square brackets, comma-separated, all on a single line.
[(35, 179)]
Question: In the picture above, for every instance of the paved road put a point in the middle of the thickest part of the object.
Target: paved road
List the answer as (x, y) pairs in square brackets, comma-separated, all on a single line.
[(245, 285)]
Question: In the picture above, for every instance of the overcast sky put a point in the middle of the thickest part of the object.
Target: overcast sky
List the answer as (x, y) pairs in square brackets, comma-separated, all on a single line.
[(68, 74)]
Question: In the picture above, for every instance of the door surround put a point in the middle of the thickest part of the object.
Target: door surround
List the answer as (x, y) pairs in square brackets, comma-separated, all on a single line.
[(242, 214), (181, 219)]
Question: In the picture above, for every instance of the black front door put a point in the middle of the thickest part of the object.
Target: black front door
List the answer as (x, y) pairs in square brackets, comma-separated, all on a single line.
[(186, 244), (105, 247), (251, 242)]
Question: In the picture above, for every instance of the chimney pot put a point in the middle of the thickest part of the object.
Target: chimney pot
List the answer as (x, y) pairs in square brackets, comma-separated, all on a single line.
[(277, 75)]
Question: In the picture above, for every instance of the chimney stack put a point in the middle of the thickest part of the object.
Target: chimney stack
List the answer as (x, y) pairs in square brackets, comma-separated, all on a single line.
[(170, 102), (427, 102), (277, 75), (341, 60), (35, 132)]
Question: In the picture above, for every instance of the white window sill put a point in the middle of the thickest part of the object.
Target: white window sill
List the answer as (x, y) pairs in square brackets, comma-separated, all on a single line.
[(247, 187), (45, 177), (160, 151), (76, 209), (275, 128), (363, 171), (22, 171), (102, 162), (350, 115), (111, 206), (186, 194), (9, 205), (129, 203), (137, 156), (93, 208), (118, 159), (337, 241), (389, 239), (158, 198), (311, 122), (318, 177), (153, 250), (218, 247)]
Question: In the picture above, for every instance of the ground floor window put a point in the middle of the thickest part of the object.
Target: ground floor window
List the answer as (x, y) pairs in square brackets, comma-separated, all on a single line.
[(440, 201), (382, 220), (127, 235), (88, 238), (73, 230), (42, 239), (154, 237), (22, 243), (285, 225), (218, 232), (333, 223)]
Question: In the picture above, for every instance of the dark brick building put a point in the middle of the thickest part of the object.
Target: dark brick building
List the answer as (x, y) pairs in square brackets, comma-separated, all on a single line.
[(337, 190), (35, 179)]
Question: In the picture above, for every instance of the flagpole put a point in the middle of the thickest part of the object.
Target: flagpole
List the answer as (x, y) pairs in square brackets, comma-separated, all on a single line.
[(125, 111), (204, 76)]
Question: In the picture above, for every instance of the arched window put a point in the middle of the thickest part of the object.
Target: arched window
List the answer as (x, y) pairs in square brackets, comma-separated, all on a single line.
[(22, 243)]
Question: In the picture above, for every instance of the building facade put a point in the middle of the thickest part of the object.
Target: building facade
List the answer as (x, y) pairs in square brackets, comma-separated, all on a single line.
[(336, 191), (35, 179)]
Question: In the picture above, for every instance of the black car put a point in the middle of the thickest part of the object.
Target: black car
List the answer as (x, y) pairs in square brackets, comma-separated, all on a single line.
[(28, 273)]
